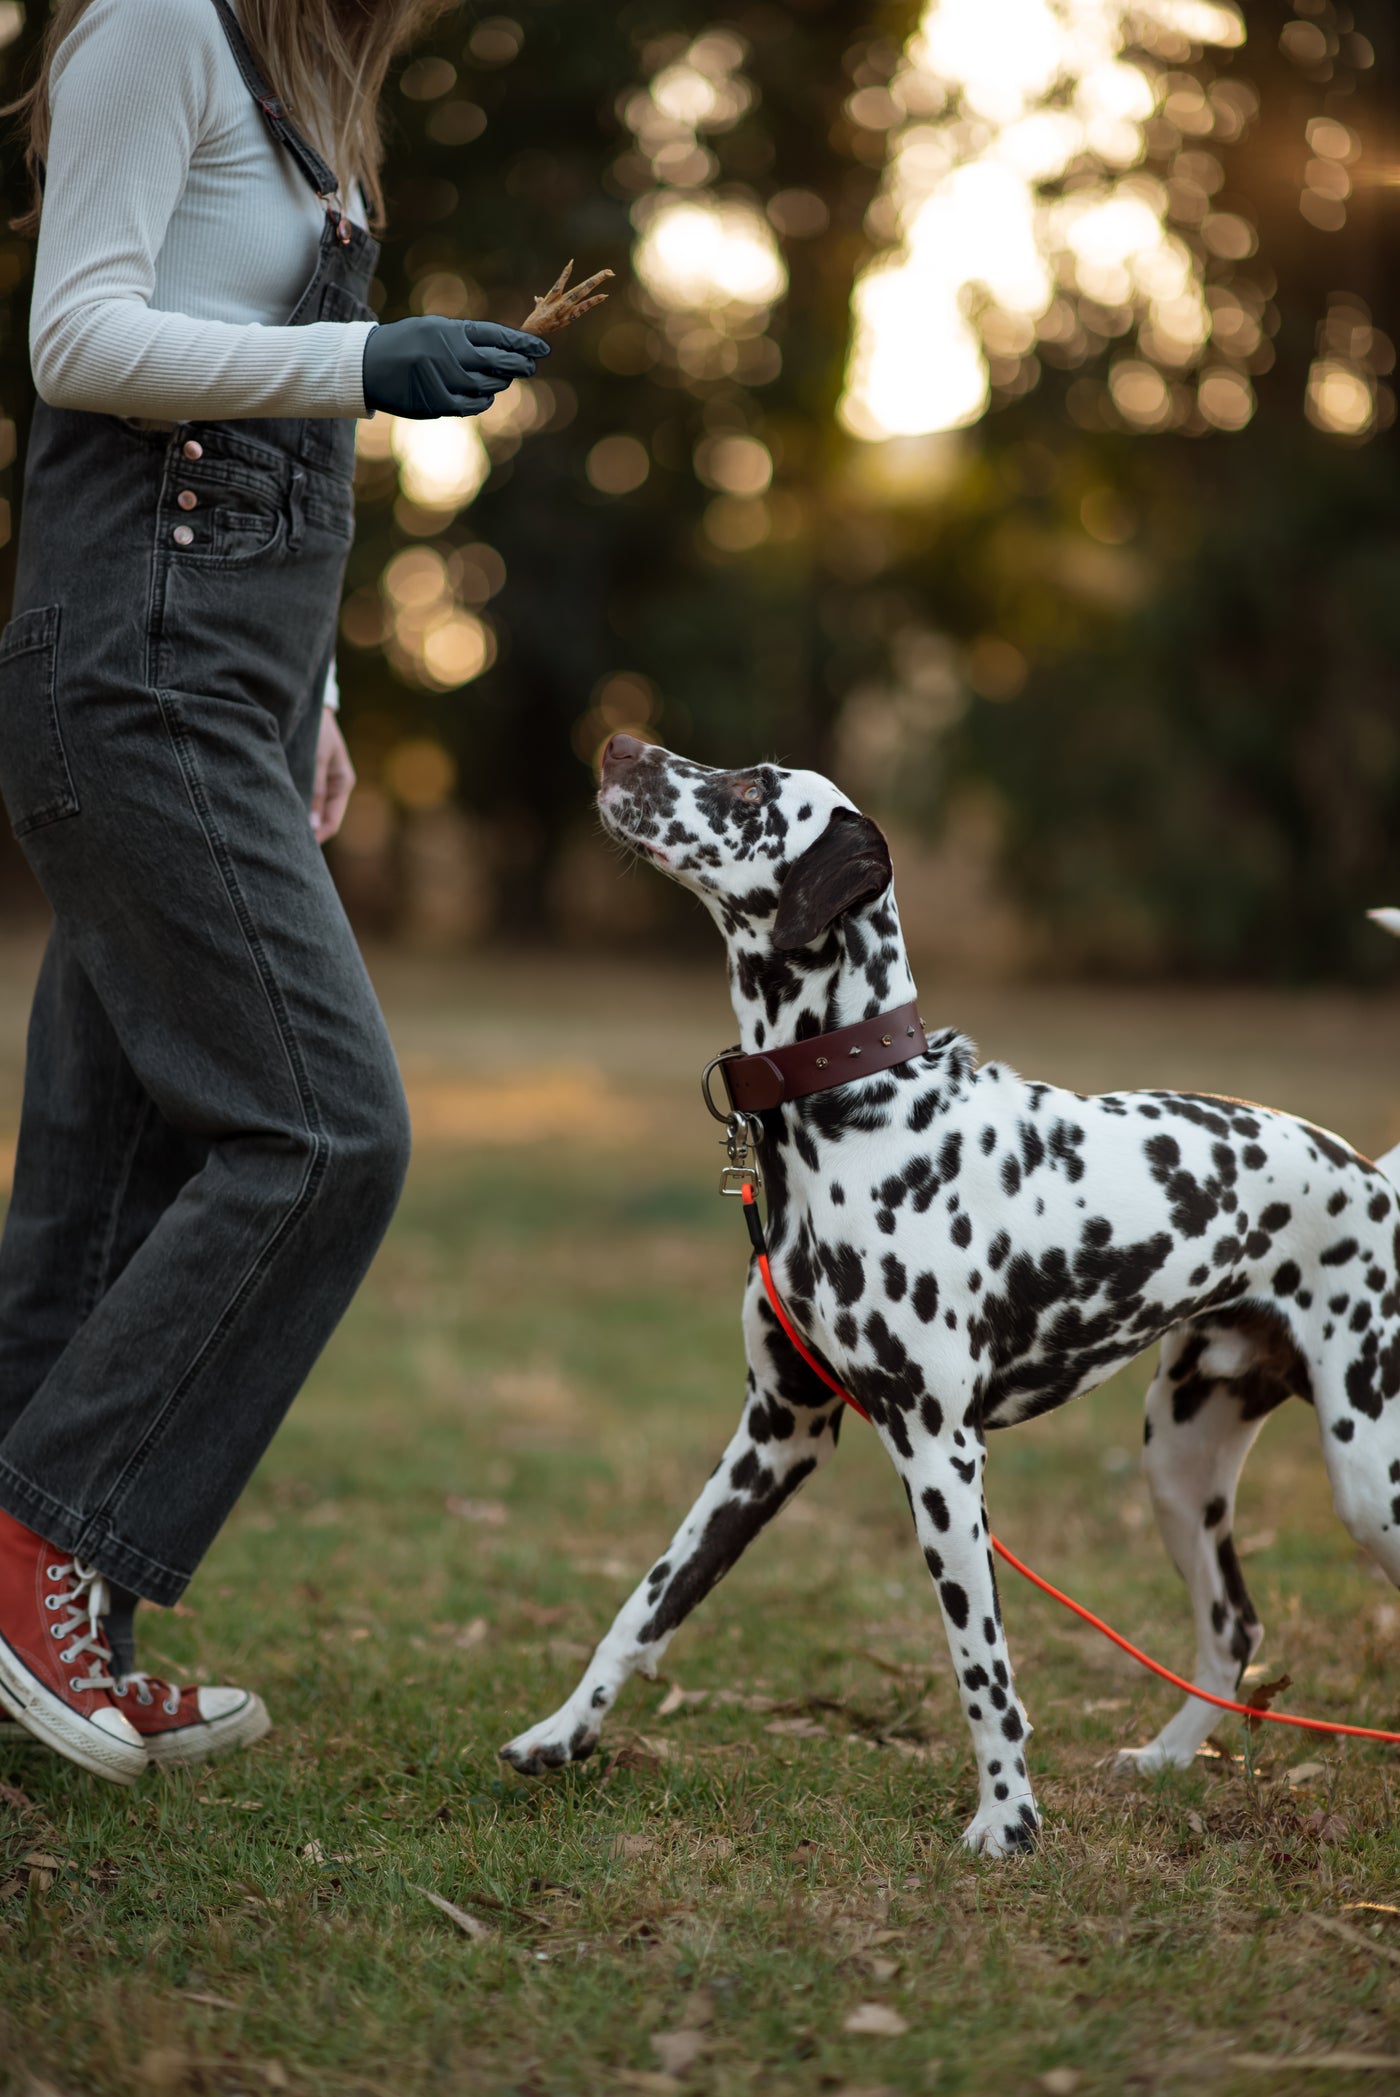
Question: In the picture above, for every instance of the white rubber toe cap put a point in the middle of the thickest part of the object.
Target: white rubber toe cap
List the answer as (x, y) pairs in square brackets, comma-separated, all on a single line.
[(109, 1720), (215, 1703)]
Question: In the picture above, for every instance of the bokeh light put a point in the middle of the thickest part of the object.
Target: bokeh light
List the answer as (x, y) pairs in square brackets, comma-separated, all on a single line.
[(1345, 394), (419, 773), (617, 465), (1018, 216), (432, 639), (694, 254), (442, 464), (741, 466)]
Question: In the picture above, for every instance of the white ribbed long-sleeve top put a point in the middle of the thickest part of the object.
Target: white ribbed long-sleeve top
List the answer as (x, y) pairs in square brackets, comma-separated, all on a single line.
[(177, 235)]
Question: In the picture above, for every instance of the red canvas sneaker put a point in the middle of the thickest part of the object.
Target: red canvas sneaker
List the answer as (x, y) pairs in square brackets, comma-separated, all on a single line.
[(191, 1724), (55, 1663)]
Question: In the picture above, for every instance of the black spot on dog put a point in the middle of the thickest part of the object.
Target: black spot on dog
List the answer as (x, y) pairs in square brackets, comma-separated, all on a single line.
[(935, 1507), (925, 1298), (954, 1600), (845, 1270)]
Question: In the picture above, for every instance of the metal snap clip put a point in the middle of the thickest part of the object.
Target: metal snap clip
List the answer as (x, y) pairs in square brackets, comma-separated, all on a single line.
[(182, 535)]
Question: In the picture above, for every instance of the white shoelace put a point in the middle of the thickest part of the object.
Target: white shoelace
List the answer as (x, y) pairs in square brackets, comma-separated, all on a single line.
[(142, 1683), (88, 1603)]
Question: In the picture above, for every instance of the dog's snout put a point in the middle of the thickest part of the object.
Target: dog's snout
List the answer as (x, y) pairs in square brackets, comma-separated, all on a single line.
[(621, 751)]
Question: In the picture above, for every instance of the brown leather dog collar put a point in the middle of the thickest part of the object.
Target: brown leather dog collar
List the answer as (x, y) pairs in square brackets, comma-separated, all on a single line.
[(818, 1064)]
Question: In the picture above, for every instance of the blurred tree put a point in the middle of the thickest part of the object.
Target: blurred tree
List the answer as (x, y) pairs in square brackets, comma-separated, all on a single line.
[(1136, 613)]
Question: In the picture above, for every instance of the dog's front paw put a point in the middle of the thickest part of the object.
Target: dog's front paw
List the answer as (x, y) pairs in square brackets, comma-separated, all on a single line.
[(1146, 1761), (551, 1744), (1004, 1829)]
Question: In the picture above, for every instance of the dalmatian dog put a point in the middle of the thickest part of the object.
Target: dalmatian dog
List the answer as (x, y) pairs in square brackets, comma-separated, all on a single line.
[(965, 1250)]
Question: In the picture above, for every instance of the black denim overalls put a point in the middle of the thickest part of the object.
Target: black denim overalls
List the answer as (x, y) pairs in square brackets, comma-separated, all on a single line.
[(214, 1133)]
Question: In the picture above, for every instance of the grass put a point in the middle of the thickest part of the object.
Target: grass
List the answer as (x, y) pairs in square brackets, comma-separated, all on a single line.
[(527, 1393)]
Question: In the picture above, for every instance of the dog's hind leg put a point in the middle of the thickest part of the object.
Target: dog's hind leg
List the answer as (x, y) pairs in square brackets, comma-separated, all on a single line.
[(943, 1479), (789, 1426), (1204, 1409)]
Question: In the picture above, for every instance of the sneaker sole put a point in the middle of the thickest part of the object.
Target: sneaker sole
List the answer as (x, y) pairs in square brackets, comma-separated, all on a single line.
[(213, 1736), (49, 1719)]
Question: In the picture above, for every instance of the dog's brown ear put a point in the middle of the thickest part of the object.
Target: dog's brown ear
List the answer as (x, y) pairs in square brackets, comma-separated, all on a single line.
[(847, 866)]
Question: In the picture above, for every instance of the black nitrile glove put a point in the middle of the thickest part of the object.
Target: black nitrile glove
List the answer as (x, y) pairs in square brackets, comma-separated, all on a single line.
[(431, 366)]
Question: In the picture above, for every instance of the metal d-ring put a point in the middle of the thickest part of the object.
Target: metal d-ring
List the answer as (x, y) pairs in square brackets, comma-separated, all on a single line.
[(705, 1075)]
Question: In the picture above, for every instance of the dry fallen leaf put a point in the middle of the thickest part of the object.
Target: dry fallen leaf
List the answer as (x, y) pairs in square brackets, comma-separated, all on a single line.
[(678, 1699), (875, 2020), (1328, 1827), (1262, 1696), (471, 1635), (1306, 1772), (467, 1924), (12, 1796), (678, 2051), (1060, 2082), (797, 1728), (492, 1512), (209, 2002)]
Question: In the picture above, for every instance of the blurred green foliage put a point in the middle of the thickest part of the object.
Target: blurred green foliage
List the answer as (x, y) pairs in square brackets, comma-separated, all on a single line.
[(1192, 765)]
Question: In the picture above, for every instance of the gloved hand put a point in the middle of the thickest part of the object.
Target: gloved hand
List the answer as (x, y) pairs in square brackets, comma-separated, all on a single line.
[(431, 366)]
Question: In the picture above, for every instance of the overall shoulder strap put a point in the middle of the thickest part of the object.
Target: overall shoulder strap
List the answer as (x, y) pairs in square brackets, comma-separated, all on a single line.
[(318, 174)]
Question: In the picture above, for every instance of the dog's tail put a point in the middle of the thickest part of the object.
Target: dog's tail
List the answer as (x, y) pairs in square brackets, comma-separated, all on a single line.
[(1389, 921)]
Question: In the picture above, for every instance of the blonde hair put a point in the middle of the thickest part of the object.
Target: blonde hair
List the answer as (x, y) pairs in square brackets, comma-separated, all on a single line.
[(327, 59)]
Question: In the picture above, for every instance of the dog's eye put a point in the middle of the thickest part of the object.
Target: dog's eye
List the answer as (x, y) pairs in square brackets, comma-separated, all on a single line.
[(752, 793)]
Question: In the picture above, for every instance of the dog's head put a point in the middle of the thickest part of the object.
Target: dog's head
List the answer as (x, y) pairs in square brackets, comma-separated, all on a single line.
[(777, 857)]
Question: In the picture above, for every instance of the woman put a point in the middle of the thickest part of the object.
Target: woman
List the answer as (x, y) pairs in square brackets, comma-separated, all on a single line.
[(214, 1133)]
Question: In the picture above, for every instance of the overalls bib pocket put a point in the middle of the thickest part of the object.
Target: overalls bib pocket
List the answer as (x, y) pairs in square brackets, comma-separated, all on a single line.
[(35, 779)]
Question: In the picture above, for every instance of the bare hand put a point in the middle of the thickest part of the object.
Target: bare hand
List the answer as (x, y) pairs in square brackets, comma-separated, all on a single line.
[(335, 779)]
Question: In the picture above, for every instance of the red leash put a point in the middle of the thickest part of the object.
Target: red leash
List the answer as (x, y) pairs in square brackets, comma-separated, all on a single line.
[(1277, 1718)]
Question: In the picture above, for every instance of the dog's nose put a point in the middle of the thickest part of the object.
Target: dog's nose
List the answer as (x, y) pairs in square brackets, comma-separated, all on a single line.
[(621, 750)]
